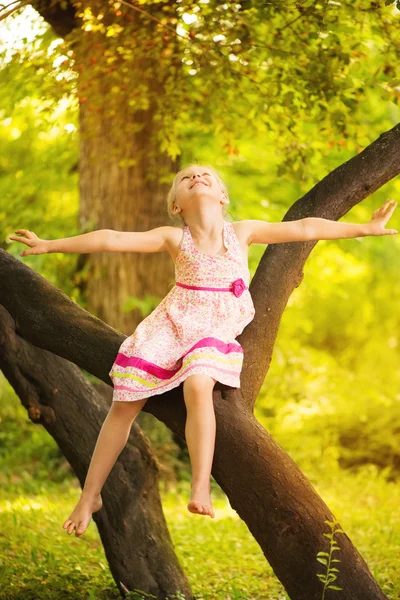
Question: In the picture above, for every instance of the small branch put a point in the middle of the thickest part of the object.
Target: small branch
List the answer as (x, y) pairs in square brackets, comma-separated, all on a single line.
[(2, 17)]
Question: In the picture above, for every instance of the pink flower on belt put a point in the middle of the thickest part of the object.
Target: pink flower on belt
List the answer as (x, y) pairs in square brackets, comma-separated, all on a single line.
[(238, 287)]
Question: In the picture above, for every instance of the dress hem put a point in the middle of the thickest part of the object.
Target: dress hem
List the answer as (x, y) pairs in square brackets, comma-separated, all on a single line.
[(157, 392)]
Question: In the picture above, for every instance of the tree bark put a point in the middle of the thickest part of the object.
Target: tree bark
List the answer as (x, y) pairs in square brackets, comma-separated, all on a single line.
[(263, 484), (119, 198)]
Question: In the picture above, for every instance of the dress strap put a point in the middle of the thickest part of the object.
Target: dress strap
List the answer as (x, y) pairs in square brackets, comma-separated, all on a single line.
[(185, 237), (232, 238)]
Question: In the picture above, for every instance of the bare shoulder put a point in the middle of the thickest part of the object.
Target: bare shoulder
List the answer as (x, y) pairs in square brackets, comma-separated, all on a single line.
[(173, 237)]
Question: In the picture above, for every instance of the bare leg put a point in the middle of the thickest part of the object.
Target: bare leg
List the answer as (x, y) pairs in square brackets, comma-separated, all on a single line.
[(112, 438), (200, 437)]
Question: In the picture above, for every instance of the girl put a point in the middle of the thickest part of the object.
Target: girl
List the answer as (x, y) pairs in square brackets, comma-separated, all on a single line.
[(190, 337)]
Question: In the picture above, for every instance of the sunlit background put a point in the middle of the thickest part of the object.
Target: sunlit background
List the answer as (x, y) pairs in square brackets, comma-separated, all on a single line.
[(331, 398)]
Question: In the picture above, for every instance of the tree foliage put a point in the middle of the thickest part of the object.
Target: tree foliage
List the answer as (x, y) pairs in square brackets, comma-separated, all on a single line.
[(230, 69)]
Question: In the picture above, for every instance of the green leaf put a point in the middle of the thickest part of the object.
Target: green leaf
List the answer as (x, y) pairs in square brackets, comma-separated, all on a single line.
[(323, 554), (334, 587), (323, 561)]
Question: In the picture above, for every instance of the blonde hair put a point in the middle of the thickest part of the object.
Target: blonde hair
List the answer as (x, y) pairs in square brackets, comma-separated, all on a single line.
[(171, 197)]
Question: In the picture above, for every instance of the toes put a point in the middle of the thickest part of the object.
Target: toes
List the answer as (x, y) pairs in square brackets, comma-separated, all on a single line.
[(195, 506), (71, 528), (202, 509), (66, 523)]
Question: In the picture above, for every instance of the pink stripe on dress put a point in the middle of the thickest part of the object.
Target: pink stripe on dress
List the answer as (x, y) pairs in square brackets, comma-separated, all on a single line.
[(132, 361)]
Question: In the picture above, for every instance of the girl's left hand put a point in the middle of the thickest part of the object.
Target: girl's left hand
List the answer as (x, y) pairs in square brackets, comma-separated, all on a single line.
[(379, 219)]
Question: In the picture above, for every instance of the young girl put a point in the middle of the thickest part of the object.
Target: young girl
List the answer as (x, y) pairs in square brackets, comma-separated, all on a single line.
[(190, 337)]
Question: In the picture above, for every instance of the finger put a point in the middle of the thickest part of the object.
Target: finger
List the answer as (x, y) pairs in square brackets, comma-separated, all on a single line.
[(388, 206), (391, 205), (389, 211), (30, 234), (24, 240)]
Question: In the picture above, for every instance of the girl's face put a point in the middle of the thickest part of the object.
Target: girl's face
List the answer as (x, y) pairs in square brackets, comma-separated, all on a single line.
[(194, 186)]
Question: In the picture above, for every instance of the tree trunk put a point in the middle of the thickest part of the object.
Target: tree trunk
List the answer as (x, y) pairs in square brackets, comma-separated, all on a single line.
[(121, 169), (131, 522), (114, 197)]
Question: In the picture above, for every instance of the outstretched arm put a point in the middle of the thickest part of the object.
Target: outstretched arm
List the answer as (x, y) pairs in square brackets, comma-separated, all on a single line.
[(324, 229), (101, 240), (315, 228), (94, 241)]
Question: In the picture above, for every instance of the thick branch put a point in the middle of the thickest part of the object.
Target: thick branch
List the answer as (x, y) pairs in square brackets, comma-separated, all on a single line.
[(281, 267), (134, 532)]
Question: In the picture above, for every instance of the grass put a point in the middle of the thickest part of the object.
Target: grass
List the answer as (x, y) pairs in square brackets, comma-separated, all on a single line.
[(38, 560)]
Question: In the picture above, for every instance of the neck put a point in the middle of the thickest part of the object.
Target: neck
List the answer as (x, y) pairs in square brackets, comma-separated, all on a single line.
[(205, 225)]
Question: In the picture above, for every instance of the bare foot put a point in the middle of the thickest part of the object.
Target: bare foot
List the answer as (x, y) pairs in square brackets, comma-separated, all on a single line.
[(200, 502), (82, 513)]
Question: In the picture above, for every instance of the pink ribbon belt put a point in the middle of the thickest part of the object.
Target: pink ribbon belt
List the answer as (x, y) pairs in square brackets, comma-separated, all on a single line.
[(237, 287)]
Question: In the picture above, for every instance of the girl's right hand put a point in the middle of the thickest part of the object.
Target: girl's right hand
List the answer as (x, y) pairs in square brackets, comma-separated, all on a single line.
[(36, 245)]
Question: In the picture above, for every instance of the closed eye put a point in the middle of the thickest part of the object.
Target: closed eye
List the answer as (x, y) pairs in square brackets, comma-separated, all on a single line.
[(186, 176)]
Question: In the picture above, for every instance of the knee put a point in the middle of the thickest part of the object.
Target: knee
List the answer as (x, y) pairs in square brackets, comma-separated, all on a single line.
[(126, 410), (198, 386)]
